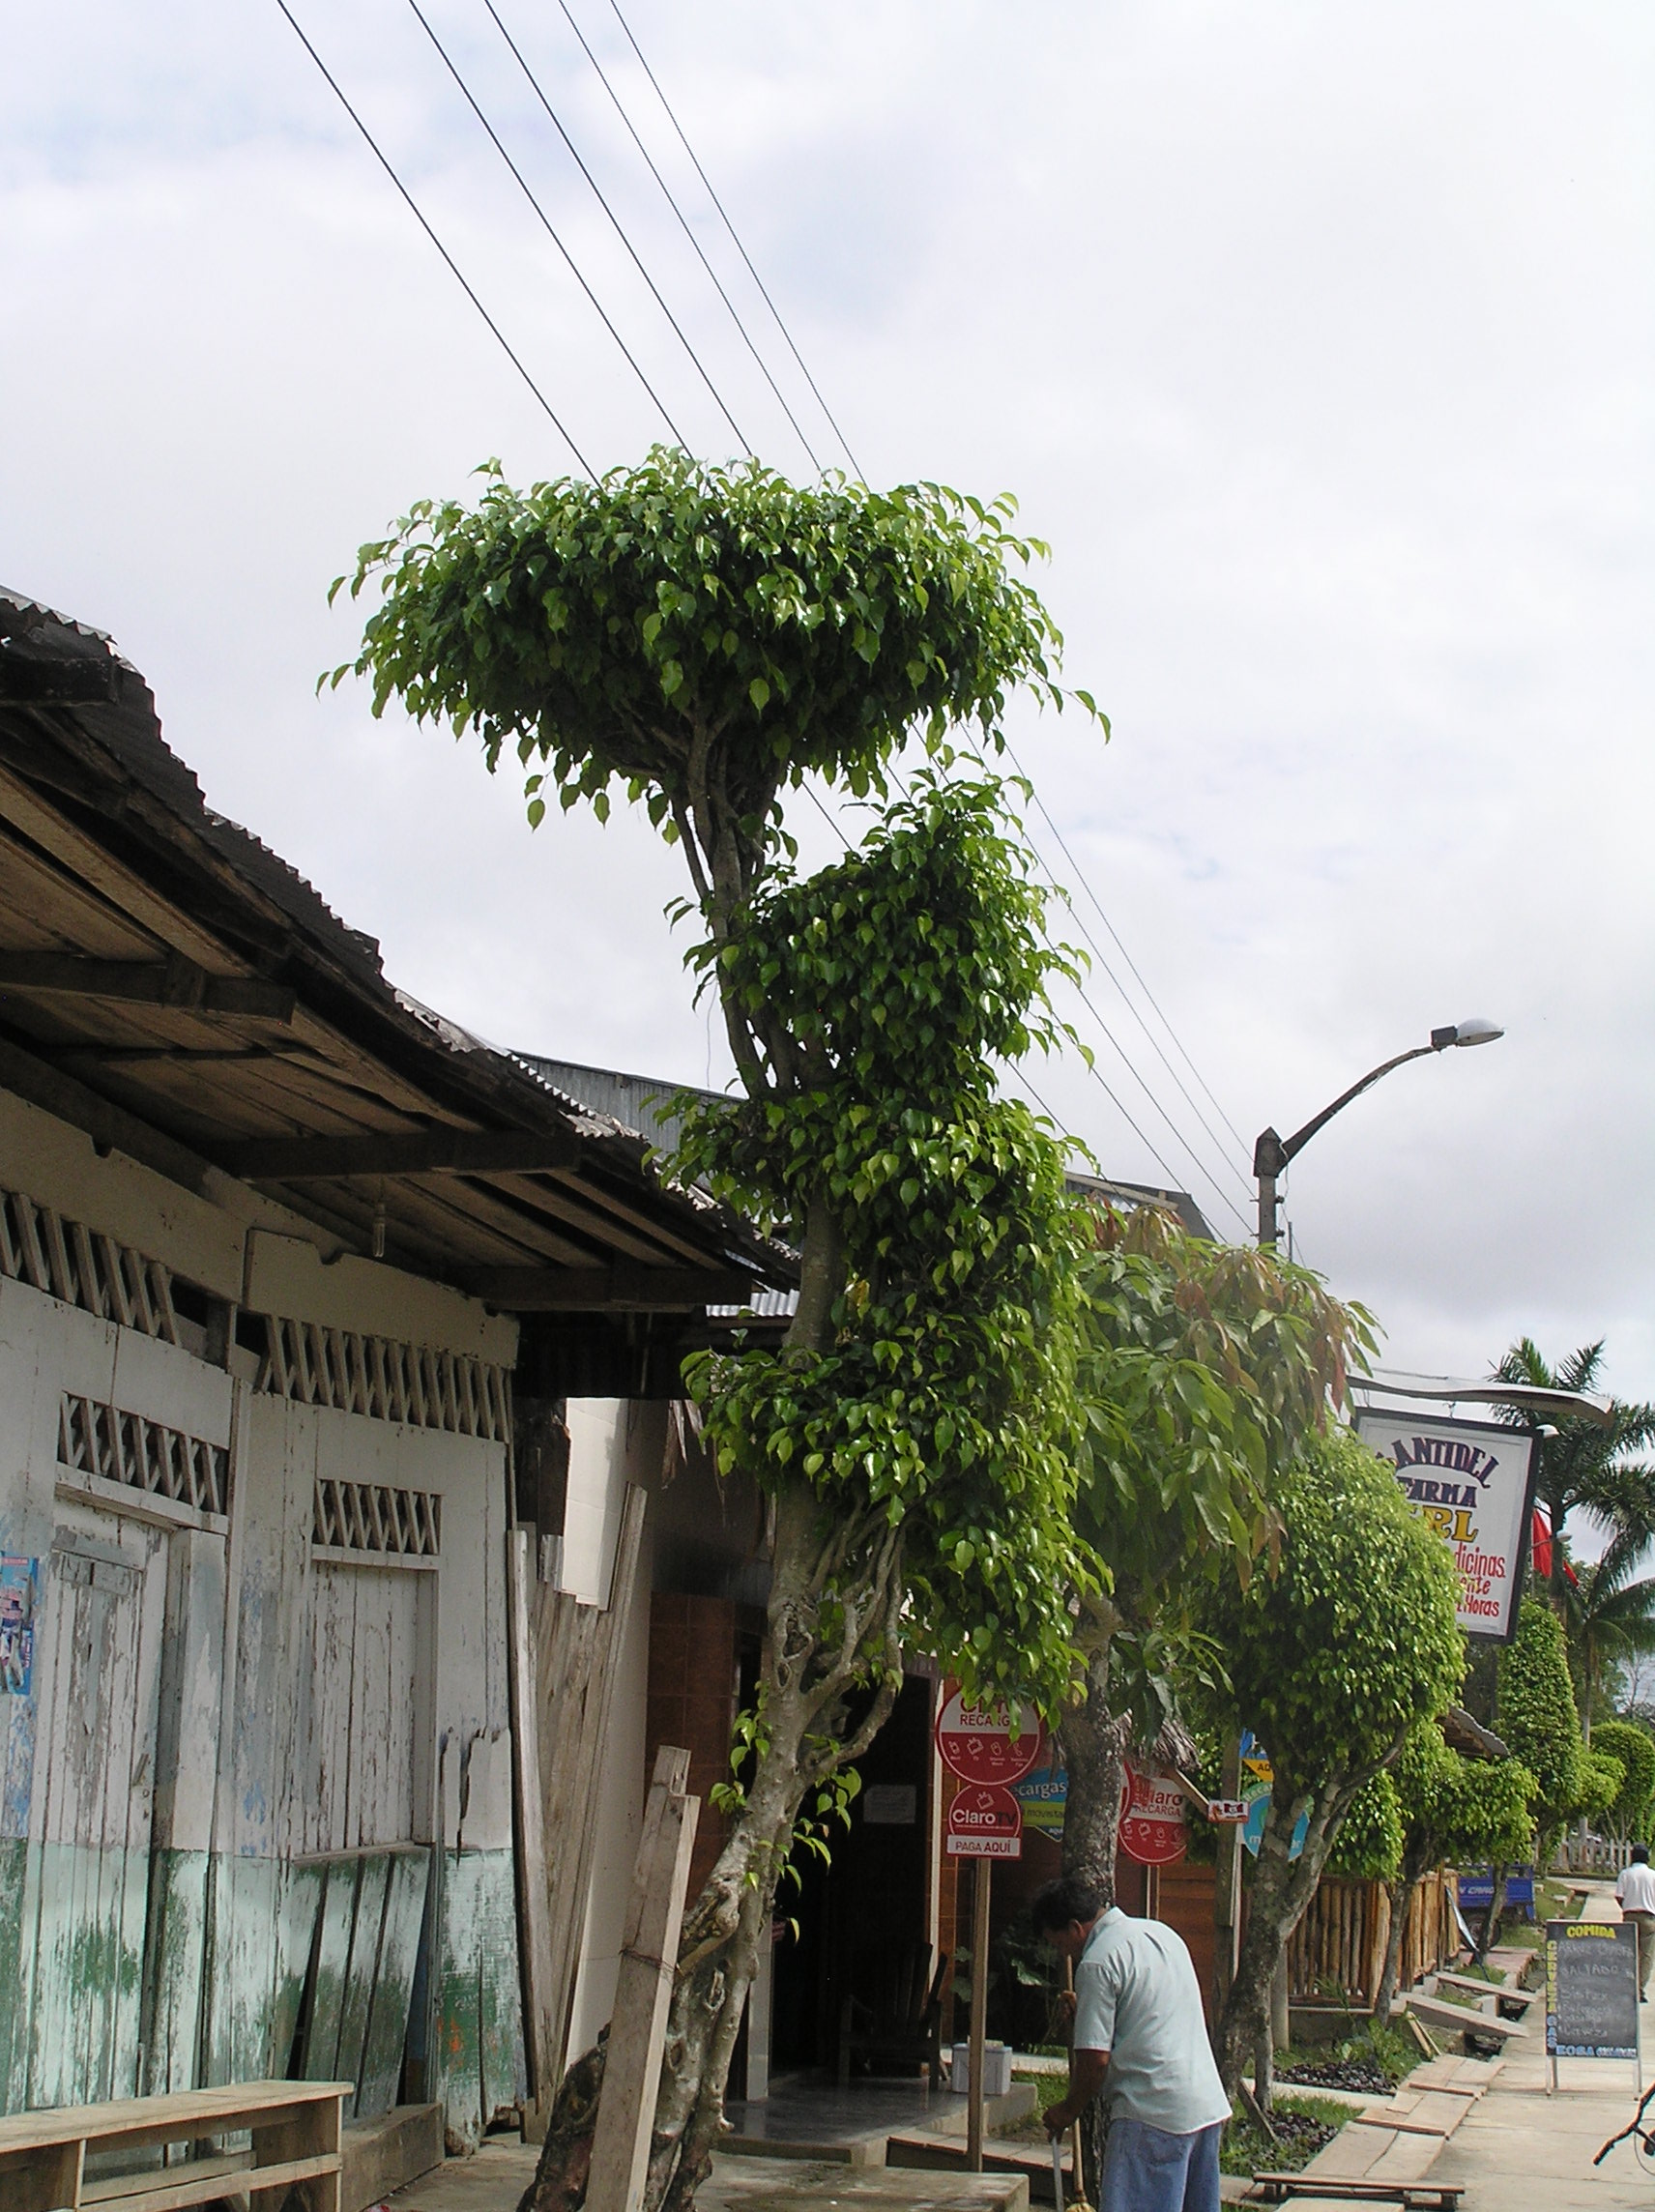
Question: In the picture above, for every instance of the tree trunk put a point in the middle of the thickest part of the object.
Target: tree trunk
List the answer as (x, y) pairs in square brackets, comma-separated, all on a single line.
[(1401, 1893), (803, 1684), (833, 1622), (1094, 1741), (1281, 1890), (1491, 1919)]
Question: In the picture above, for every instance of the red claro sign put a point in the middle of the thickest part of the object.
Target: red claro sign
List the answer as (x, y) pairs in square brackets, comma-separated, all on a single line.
[(985, 1822), (1152, 1827), (975, 1742)]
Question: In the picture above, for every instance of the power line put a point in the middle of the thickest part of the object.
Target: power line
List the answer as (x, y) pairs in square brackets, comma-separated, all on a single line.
[(453, 266), (545, 220), (775, 311), (742, 438), (494, 138), (1080, 875), (1196, 1161), (684, 226)]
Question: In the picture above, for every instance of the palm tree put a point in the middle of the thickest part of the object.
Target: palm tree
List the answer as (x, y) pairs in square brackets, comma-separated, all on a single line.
[(1608, 1619), (1583, 1464)]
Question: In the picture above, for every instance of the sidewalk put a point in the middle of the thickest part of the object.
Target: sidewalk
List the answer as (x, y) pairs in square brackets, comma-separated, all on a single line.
[(1520, 2148)]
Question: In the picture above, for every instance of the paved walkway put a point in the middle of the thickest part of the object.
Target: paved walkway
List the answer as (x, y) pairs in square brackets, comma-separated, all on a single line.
[(496, 2177), (1522, 2150)]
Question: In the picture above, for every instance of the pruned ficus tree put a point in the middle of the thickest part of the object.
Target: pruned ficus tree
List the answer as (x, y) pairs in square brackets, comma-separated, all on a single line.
[(1204, 1367), (709, 638), (1455, 1812), (1332, 1660)]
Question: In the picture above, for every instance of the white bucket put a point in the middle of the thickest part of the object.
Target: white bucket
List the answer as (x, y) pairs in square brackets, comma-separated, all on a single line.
[(997, 2069)]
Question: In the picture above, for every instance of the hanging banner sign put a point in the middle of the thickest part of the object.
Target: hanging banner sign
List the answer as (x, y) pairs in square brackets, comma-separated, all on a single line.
[(985, 1822), (1044, 1795), (1474, 1483), (1153, 1829), (1257, 1777), (977, 1742), (19, 1579)]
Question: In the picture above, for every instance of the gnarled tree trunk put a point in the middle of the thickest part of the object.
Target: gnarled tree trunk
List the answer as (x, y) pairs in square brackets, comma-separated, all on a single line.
[(833, 1623), (1281, 1890)]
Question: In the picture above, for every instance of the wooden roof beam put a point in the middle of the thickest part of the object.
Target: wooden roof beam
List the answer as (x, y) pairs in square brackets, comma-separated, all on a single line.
[(626, 1288), (171, 982), (425, 1151)]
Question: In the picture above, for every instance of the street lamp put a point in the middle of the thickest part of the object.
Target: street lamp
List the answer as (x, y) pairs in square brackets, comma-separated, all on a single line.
[(1271, 1153)]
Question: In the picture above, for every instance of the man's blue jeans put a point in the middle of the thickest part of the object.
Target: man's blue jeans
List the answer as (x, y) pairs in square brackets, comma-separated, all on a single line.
[(1146, 2169)]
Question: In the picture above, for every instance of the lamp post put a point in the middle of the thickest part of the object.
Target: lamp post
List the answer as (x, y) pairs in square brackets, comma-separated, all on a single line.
[(1271, 1153)]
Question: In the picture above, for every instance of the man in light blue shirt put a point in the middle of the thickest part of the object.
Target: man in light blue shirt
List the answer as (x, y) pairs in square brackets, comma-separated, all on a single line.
[(1141, 2038)]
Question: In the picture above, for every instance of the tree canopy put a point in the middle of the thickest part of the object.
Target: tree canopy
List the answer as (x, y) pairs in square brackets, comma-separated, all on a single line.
[(708, 638), (1582, 1463), (1332, 1661), (943, 1403), (1633, 1749), (1537, 1716)]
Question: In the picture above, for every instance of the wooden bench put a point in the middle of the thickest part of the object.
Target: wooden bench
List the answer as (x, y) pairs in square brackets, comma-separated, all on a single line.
[(1502, 1993), (1420, 2196), (1459, 2020), (295, 2128)]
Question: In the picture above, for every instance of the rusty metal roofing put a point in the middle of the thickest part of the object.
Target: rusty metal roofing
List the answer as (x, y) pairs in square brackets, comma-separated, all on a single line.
[(171, 985)]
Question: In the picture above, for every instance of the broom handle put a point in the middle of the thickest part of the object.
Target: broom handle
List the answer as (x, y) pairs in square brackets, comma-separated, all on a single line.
[(1078, 2191)]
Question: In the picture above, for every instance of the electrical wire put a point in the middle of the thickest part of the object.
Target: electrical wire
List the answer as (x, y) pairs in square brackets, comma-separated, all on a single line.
[(775, 311), (545, 220), (551, 231), (500, 336), (685, 226), (742, 438), (1081, 878)]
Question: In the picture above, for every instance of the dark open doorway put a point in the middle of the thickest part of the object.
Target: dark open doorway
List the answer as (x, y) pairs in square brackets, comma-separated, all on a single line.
[(863, 1920)]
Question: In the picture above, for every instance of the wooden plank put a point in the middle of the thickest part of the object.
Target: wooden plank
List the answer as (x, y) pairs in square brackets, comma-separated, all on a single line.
[(105, 1123), (298, 1910), (575, 1656), (132, 2122), (174, 982), (88, 862), (623, 1288), (388, 2013), (328, 1978), (457, 2020), (372, 1888), (201, 2182), (500, 2005), (444, 1150), (649, 1957), (541, 2022)]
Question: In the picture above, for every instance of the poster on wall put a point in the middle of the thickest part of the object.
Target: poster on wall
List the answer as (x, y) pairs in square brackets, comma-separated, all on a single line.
[(17, 1583), (1472, 1482)]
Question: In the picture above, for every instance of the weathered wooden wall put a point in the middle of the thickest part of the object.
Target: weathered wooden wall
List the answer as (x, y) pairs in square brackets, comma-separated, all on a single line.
[(255, 1807)]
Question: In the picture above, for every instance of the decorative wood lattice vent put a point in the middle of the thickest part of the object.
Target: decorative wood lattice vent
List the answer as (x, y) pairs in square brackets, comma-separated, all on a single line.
[(370, 1517), (72, 1263), (95, 1439), (387, 1380)]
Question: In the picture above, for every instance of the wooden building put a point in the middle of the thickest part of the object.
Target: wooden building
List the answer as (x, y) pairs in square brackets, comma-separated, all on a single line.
[(336, 1360)]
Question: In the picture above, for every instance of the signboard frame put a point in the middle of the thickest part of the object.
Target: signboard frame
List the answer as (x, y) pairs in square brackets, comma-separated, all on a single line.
[(1369, 1419), (1560, 1934)]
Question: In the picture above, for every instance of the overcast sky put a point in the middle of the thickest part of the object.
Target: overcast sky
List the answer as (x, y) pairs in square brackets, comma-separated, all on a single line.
[(1318, 342)]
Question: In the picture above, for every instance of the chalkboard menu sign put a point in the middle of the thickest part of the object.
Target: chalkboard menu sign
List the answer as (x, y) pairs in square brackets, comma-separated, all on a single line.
[(1591, 1989)]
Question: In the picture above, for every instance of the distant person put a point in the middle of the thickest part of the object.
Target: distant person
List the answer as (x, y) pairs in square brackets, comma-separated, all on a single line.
[(1634, 1892), (1140, 2038)]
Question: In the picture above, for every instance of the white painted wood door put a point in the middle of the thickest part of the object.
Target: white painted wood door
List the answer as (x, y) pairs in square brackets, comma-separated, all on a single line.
[(103, 1629), (362, 1722)]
